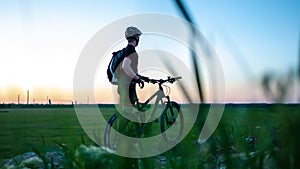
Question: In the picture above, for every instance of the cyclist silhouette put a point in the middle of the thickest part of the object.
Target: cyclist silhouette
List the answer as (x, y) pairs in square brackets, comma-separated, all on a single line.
[(127, 75), (125, 136)]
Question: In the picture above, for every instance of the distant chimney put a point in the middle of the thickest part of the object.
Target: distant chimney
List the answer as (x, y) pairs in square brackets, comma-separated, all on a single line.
[(27, 96)]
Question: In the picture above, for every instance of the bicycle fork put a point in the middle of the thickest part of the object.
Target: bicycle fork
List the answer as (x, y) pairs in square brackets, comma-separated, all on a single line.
[(170, 119)]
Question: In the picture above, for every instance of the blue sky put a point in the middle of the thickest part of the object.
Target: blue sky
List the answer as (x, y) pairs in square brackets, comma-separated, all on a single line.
[(44, 39)]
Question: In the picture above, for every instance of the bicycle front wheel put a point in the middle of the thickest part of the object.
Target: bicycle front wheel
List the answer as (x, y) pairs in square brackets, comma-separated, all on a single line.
[(111, 138), (171, 122)]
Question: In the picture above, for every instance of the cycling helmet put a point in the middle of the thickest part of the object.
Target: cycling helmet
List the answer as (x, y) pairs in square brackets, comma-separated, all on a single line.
[(132, 31)]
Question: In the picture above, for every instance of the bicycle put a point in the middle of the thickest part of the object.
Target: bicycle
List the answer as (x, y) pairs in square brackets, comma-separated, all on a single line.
[(171, 115)]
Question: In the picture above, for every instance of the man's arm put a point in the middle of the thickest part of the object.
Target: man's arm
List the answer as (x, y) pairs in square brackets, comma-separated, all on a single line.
[(127, 68)]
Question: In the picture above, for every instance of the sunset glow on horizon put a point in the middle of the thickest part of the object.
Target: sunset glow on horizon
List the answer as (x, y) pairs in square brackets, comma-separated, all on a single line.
[(41, 42)]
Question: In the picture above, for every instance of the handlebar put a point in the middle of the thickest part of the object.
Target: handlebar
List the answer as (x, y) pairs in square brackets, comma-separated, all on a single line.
[(160, 81)]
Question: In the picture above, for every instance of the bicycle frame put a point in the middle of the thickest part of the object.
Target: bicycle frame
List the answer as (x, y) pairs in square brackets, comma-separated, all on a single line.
[(166, 118), (159, 94)]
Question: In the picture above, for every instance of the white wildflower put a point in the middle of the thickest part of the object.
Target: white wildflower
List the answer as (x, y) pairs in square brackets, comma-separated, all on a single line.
[(33, 162)]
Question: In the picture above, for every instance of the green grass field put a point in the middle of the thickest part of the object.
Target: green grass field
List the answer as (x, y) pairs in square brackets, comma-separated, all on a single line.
[(23, 129)]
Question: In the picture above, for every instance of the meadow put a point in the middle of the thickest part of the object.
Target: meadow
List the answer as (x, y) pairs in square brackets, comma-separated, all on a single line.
[(248, 136)]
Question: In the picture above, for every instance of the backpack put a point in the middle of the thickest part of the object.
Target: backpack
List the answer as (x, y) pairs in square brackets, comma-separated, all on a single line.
[(117, 58)]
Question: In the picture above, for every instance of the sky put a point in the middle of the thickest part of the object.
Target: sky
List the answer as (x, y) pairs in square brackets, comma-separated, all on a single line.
[(41, 42)]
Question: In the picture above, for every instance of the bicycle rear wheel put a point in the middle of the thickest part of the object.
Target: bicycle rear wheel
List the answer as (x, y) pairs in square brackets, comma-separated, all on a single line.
[(171, 122), (111, 139)]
